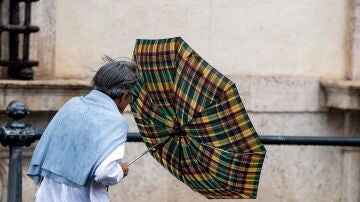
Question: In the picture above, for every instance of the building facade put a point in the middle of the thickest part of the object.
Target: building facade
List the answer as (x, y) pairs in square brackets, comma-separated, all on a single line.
[(296, 65)]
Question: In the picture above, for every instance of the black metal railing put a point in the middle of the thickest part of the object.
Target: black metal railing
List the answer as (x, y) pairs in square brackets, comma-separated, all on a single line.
[(18, 68), (277, 140), (283, 140), (17, 134)]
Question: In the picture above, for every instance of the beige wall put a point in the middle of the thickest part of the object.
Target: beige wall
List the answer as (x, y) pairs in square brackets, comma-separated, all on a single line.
[(258, 37), (284, 45), (277, 105)]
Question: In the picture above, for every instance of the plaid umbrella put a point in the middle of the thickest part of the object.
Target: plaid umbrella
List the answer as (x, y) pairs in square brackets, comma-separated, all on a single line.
[(194, 116)]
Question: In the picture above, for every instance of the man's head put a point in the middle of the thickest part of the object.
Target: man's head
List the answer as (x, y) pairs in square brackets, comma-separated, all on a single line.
[(116, 79)]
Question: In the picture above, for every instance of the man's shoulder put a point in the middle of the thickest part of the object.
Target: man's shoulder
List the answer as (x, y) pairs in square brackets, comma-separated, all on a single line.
[(74, 101)]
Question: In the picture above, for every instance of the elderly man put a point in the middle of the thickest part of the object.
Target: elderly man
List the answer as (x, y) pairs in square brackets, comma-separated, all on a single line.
[(81, 150)]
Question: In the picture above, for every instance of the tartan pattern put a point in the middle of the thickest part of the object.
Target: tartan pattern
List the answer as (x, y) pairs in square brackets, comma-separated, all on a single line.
[(185, 103)]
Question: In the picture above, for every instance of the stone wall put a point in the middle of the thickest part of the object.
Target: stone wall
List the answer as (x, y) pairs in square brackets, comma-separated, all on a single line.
[(289, 106), (273, 37), (278, 54)]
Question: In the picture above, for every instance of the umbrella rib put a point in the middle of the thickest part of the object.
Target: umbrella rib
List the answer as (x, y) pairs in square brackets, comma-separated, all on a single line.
[(237, 153), (180, 156)]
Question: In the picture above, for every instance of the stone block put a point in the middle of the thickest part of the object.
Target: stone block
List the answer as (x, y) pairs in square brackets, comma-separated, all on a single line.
[(354, 73), (354, 124), (290, 173), (351, 175), (243, 85), (42, 46), (342, 94), (285, 94), (46, 95), (259, 94), (276, 105), (299, 124)]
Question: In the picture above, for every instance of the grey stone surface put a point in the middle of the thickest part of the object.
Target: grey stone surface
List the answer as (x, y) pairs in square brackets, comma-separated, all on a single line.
[(299, 124), (43, 43), (285, 94), (289, 174), (342, 94), (41, 95), (264, 43), (5, 36), (351, 163), (354, 124), (259, 94), (354, 73), (279, 93)]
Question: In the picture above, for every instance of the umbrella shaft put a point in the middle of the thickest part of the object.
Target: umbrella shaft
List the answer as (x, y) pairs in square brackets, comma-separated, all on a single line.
[(131, 162), (142, 154)]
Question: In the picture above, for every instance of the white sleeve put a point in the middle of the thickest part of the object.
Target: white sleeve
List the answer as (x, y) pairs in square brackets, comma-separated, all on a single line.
[(109, 172)]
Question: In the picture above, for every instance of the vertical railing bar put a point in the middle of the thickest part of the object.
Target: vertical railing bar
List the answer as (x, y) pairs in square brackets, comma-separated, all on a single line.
[(15, 180), (26, 41), (13, 38), (1, 27)]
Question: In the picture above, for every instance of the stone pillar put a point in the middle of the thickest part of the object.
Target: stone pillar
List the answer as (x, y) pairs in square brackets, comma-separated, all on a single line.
[(354, 73), (4, 168), (351, 159), (43, 46)]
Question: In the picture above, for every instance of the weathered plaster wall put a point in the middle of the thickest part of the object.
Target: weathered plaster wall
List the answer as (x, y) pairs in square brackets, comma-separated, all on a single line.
[(273, 37), (278, 106), (353, 72), (284, 46)]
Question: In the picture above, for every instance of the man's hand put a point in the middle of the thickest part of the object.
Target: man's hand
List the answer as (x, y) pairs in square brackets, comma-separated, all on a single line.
[(125, 168)]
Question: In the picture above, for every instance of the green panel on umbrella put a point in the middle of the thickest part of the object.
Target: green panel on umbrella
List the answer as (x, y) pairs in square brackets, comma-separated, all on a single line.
[(196, 115)]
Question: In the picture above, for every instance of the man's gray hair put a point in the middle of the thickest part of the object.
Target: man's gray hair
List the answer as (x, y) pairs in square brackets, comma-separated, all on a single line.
[(115, 77)]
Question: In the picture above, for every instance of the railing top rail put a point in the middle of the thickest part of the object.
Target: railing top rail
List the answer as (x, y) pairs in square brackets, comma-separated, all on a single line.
[(282, 140)]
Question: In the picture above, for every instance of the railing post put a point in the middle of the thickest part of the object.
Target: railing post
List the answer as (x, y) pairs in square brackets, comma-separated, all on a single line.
[(15, 174), (16, 134)]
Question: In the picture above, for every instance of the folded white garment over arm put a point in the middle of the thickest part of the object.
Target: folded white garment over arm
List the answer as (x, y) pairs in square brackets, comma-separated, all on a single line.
[(109, 172)]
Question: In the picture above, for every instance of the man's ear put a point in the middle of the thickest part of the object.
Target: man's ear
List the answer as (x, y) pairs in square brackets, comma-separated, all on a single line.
[(117, 101), (125, 96)]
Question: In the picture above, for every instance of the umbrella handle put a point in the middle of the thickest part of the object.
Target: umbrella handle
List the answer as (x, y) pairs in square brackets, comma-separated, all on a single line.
[(153, 148)]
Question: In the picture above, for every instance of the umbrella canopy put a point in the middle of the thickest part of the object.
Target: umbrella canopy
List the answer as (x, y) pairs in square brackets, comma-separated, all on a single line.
[(196, 116)]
